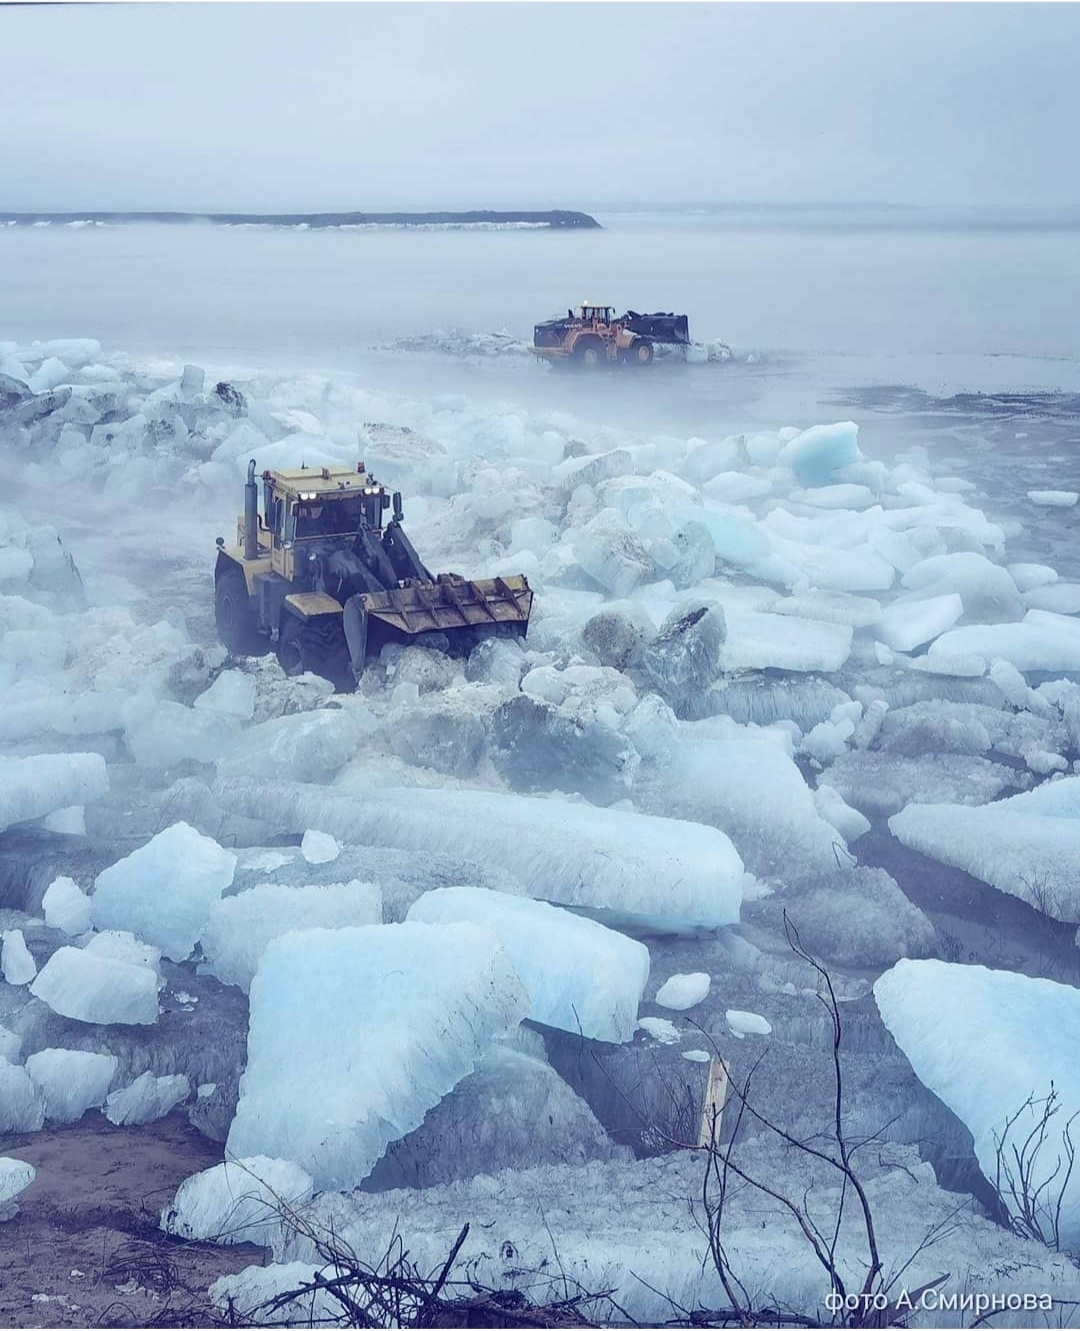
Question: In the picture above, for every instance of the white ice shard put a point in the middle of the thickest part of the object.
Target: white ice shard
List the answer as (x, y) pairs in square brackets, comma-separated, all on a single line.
[(66, 906), (35, 786), (15, 1177), (831, 805), (231, 695), (907, 626), (163, 891), (89, 988), (147, 1098), (816, 453), (742, 1024), (1028, 845), (71, 1081), (415, 1006), (680, 992), (660, 1029), (986, 1042), (580, 976), (570, 854), (122, 946), (319, 847), (239, 927), (1044, 498), (241, 1201), (16, 963)]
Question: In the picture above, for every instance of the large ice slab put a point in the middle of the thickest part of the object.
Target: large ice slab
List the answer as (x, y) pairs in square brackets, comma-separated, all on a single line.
[(570, 854), (1028, 845), (1034, 644), (147, 1098), (757, 640), (987, 590), (904, 627), (90, 988), (35, 786), (239, 927), (984, 1041), (580, 976), (415, 1006), (306, 746), (240, 1201), (164, 890), (741, 781), (173, 734), (71, 1081)]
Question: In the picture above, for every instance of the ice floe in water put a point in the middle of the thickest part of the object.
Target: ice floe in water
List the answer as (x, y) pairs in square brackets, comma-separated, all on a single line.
[(1027, 845)]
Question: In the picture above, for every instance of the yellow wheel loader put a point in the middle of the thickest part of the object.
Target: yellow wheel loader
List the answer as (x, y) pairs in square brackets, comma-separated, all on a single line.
[(591, 335), (318, 577)]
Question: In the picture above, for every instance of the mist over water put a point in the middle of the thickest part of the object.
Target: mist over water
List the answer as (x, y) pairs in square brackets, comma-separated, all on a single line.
[(322, 298)]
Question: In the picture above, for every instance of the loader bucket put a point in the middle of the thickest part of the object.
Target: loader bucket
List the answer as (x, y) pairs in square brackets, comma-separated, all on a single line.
[(462, 610), (659, 327)]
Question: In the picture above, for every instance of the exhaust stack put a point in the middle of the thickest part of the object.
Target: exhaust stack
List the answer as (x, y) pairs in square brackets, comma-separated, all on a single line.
[(251, 515)]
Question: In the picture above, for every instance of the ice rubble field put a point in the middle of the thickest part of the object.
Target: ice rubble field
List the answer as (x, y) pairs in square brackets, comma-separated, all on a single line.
[(745, 651)]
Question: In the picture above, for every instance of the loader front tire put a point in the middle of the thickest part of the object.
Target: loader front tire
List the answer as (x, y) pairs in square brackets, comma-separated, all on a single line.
[(641, 352), (315, 645), (589, 352), (235, 616)]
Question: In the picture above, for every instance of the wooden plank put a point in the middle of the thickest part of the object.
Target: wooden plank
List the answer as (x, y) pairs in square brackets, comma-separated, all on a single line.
[(712, 1109)]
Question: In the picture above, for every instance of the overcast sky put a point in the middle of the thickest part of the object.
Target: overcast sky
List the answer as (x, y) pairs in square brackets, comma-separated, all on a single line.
[(299, 107)]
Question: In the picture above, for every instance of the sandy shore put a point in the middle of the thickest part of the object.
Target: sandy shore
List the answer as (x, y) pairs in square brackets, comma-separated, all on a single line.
[(85, 1248)]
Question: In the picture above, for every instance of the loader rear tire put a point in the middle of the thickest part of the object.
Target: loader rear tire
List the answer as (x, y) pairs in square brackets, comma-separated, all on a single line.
[(235, 616), (318, 646)]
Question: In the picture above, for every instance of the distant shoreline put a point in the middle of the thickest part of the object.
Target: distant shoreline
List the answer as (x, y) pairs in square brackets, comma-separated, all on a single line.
[(555, 219)]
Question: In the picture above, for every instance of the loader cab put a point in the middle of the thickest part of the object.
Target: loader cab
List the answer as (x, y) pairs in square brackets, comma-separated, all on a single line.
[(603, 314)]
